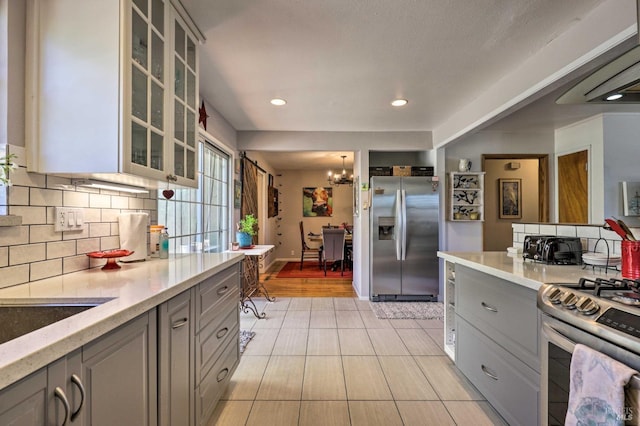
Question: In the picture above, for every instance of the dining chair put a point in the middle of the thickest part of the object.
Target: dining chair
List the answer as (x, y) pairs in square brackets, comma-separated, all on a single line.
[(308, 252), (333, 247)]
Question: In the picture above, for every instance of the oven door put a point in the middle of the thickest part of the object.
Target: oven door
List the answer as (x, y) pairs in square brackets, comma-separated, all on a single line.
[(558, 341)]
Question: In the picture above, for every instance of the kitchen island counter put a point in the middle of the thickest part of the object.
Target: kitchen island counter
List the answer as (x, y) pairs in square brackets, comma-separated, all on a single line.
[(135, 288), (527, 273)]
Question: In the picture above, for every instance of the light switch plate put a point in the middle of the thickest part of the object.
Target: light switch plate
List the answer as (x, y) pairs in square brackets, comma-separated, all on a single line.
[(68, 219)]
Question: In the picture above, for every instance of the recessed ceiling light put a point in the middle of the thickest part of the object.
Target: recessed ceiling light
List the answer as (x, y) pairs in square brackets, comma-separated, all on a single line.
[(399, 102), (613, 97), (278, 102)]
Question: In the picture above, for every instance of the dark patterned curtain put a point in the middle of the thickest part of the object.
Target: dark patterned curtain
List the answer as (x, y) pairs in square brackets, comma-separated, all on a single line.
[(249, 203)]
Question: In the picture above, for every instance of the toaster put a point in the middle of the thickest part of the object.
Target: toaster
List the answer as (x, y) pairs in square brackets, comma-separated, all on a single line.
[(553, 249)]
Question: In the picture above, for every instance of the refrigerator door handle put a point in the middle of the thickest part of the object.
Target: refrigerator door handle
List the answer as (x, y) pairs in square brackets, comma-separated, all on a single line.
[(399, 225), (404, 224)]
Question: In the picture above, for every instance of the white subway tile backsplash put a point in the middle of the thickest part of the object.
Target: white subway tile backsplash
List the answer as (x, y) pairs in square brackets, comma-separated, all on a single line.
[(100, 229), (87, 245), (119, 202), (56, 182), (517, 227), (75, 235), (75, 263), (99, 201), (115, 228), (566, 230), (150, 204), (43, 233), (136, 203), (13, 275), (110, 243), (18, 195), (531, 228), (30, 215), (46, 269), (548, 230), (109, 215), (589, 231), (75, 199), (4, 256), (20, 177), (14, 235), (61, 249), (26, 253), (45, 197)]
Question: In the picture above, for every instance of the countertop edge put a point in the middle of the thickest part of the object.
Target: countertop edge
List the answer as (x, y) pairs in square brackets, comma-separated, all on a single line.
[(21, 356)]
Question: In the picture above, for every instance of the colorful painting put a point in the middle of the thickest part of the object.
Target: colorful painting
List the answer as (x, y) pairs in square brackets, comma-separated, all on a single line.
[(317, 202), (509, 191)]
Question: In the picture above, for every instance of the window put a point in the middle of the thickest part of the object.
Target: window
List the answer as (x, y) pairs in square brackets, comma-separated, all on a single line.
[(198, 219)]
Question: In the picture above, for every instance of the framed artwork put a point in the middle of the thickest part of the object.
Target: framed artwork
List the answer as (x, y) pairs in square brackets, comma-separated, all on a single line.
[(237, 193), (272, 205), (317, 202), (510, 195), (631, 198)]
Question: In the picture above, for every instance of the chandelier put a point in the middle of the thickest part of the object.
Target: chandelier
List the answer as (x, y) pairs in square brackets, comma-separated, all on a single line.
[(340, 178)]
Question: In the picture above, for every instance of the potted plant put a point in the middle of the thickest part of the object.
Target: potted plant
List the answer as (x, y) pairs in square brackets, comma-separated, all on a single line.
[(247, 228)]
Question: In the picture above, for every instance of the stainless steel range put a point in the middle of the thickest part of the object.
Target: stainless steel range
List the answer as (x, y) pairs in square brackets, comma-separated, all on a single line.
[(603, 314)]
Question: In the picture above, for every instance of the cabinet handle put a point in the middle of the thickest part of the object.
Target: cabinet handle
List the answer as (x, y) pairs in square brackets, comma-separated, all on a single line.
[(220, 334), (180, 323), (489, 307), (223, 373), (488, 372), (76, 381), (223, 290), (59, 393)]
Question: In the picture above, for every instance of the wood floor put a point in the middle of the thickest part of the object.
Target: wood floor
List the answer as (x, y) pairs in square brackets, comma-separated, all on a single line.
[(304, 287)]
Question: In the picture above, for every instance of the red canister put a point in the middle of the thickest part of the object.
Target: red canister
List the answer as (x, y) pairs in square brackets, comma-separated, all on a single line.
[(631, 259)]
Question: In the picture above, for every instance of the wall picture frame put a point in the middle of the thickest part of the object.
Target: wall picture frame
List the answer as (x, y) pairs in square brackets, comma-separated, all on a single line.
[(237, 193), (510, 198), (631, 198), (317, 202)]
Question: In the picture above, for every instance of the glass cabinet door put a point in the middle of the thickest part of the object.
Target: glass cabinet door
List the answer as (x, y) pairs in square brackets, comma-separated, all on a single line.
[(185, 103), (147, 83)]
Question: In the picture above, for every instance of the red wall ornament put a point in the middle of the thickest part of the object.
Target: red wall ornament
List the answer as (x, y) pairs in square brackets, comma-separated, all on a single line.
[(202, 119)]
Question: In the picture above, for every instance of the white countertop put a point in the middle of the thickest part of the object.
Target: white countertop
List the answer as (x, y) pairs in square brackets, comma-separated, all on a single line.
[(526, 273), (257, 250), (136, 288)]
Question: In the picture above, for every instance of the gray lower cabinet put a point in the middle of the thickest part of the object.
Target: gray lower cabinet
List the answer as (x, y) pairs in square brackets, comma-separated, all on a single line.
[(50, 396), (110, 381), (119, 371), (497, 342), (176, 388), (199, 351)]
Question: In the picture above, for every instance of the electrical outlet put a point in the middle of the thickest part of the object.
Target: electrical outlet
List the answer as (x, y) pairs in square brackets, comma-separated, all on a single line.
[(68, 219)]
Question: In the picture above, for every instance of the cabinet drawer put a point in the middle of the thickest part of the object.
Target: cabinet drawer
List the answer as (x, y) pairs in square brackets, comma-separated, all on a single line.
[(214, 337), (210, 292), (508, 384), (215, 381), (502, 310)]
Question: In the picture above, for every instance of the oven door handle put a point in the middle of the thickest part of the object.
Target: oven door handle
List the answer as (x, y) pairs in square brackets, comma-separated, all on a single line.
[(558, 338)]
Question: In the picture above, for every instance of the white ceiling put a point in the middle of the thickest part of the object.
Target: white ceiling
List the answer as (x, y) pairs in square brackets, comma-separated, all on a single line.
[(339, 63)]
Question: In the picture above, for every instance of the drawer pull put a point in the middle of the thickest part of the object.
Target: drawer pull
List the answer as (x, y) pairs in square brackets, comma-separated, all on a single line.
[(180, 323), (223, 290), (222, 375), (488, 372), (489, 307), (220, 334), (59, 393)]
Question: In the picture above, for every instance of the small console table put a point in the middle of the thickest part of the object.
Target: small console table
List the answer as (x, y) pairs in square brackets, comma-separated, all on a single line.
[(251, 285)]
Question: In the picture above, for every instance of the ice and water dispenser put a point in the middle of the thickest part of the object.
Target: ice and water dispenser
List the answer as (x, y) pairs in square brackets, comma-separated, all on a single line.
[(386, 228)]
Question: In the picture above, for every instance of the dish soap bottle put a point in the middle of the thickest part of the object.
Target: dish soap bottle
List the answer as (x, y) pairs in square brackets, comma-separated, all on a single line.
[(163, 240)]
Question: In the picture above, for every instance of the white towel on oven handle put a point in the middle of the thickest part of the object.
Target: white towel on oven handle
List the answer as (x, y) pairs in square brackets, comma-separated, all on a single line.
[(596, 394)]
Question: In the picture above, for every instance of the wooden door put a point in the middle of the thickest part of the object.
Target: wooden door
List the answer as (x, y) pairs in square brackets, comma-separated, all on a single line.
[(573, 188)]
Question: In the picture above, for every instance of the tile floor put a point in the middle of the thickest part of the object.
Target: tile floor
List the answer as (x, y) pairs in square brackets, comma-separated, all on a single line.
[(330, 361)]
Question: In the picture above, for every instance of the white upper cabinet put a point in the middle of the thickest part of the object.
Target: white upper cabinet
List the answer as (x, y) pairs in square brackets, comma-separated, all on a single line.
[(112, 91)]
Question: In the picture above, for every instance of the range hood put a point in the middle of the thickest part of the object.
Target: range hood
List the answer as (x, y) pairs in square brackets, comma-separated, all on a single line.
[(616, 82)]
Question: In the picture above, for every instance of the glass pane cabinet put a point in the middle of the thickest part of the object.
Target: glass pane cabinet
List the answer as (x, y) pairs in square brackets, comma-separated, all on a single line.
[(140, 114), (185, 103)]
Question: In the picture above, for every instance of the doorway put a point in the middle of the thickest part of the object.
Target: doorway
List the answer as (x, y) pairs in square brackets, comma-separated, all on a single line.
[(531, 170), (573, 187)]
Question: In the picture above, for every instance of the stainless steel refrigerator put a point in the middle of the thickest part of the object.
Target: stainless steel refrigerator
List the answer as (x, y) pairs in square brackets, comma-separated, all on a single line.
[(404, 238)]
